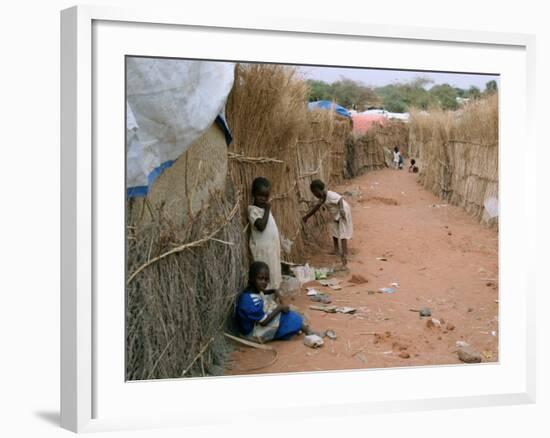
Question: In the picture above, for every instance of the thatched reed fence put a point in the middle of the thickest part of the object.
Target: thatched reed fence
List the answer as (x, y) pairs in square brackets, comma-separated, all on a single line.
[(275, 136), (372, 150), (458, 154), (184, 267)]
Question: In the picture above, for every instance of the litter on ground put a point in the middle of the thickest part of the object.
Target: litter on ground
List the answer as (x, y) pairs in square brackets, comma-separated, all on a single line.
[(313, 341)]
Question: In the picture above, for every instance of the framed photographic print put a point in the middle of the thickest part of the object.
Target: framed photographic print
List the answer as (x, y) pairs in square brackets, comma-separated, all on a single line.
[(333, 215)]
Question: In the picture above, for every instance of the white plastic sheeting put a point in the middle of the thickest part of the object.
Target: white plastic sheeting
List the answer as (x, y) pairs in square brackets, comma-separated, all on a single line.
[(170, 103), (491, 207)]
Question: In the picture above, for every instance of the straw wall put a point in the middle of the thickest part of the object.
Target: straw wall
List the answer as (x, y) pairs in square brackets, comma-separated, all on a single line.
[(457, 153), (275, 136), (372, 150), (178, 304)]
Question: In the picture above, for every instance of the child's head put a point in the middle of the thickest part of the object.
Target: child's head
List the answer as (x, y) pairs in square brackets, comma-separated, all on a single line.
[(261, 189), (317, 187), (258, 276), (413, 161), (396, 149)]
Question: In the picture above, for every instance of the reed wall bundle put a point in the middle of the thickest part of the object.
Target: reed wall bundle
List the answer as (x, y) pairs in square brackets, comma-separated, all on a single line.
[(184, 266), (372, 150), (275, 136), (457, 153)]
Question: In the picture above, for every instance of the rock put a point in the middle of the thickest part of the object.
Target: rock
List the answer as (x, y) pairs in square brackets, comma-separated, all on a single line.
[(321, 298), (425, 311), (313, 341), (404, 355), (311, 291), (358, 279), (433, 323), (468, 355), (398, 346), (450, 327), (470, 309), (449, 233), (331, 334)]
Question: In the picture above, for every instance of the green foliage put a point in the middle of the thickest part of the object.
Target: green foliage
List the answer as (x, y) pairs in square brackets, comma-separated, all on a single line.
[(345, 92), (318, 90), (474, 92), (402, 96), (445, 96), (491, 87), (397, 97)]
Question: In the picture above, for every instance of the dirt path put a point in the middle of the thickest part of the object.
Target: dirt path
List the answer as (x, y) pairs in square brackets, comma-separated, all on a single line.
[(440, 257)]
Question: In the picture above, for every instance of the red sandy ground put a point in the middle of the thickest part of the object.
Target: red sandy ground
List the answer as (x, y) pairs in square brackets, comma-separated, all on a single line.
[(442, 259)]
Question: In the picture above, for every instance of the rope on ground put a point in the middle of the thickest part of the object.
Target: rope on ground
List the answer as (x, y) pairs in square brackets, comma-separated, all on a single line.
[(257, 346), (254, 160), (188, 245)]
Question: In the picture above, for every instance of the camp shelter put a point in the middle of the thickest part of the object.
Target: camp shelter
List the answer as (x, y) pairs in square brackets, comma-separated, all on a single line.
[(184, 235)]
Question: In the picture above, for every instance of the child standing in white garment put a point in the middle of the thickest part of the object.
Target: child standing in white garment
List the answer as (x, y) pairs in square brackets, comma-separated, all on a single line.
[(339, 209), (396, 157), (265, 244)]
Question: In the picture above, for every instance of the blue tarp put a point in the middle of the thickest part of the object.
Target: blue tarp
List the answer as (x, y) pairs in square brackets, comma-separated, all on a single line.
[(327, 105)]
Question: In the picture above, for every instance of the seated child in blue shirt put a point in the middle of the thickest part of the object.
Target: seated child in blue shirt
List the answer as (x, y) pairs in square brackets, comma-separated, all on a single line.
[(259, 317)]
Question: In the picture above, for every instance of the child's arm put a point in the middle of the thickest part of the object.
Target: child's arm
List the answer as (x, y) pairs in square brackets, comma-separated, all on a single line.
[(273, 314), (261, 223), (313, 211), (341, 207)]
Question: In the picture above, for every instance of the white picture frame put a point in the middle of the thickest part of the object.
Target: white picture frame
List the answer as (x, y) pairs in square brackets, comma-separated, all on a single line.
[(84, 372)]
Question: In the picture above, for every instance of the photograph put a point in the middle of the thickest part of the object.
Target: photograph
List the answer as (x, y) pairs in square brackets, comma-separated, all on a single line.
[(284, 218)]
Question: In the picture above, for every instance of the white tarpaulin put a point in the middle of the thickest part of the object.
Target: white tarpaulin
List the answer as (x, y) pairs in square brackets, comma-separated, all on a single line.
[(491, 207), (170, 103)]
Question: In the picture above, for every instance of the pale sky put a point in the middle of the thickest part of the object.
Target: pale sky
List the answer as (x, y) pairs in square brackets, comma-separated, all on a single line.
[(379, 77)]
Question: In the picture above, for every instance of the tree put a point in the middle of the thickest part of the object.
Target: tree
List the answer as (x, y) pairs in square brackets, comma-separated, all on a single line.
[(318, 90), (401, 97), (474, 92), (445, 96), (345, 92), (491, 87)]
